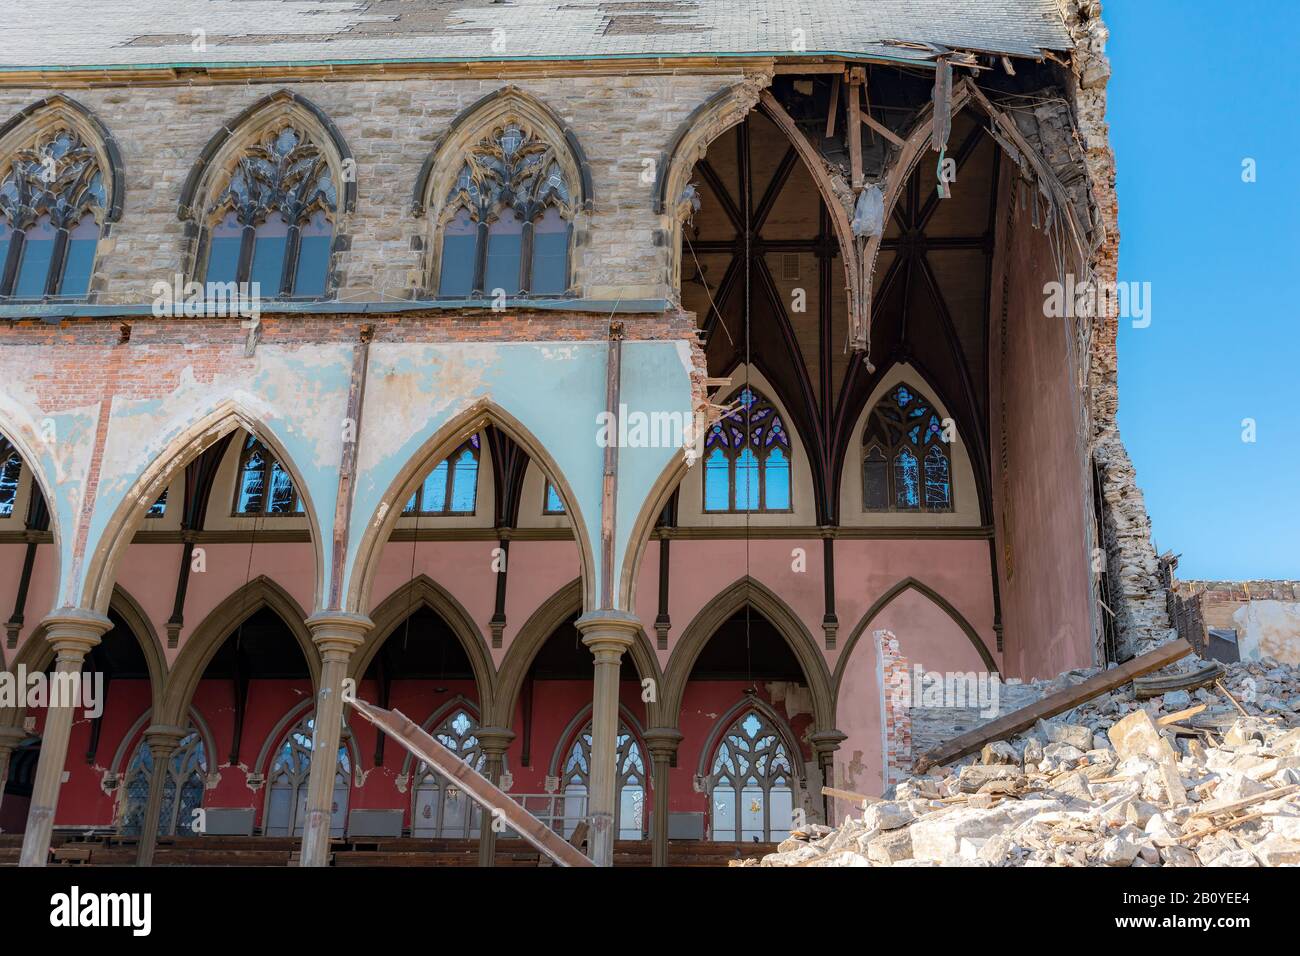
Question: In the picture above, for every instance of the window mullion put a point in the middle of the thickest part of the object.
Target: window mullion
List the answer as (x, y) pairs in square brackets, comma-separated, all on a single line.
[(58, 255), (292, 248), (244, 269), (480, 259)]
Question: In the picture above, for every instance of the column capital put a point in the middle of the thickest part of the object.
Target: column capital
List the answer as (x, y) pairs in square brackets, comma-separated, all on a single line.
[(608, 632), (73, 631), (164, 740), (338, 632), (662, 742), (826, 742), (494, 741)]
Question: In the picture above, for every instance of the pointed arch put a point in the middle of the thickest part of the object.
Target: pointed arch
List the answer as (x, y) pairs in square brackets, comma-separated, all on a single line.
[(441, 713), (206, 639), (441, 443), (770, 713), (282, 728), (564, 743), (423, 591), (105, 552), (748, 590), (539, 627), (882, 602), (20, 430)]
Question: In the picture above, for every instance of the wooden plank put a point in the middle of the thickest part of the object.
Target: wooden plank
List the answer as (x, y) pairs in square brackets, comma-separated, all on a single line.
[(833, 112), (1175, 718), (882, 129), (1019, 720), (854, 133), (481, 790)]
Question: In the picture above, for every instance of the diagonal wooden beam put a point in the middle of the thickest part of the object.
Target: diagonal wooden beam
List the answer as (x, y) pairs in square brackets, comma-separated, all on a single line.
[(724, 198), (773, 191)]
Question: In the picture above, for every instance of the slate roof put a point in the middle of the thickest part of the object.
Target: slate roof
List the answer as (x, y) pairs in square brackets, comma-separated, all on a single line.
[(124, 33)]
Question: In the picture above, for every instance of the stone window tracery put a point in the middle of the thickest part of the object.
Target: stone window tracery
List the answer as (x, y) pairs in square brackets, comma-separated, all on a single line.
[(747, 458), (751, 783), (441, 809), (52, 204), (264, 486), (508, 219), (286, 807), (273, 222), (182, 790), (906, 465), (452, 487), (630, 783)]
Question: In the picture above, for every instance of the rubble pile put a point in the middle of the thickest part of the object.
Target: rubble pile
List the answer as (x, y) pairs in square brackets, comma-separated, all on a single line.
[(1206, 777)]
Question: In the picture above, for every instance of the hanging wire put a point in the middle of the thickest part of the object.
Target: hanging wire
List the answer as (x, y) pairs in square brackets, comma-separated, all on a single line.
[(252, 542), (749, 406)]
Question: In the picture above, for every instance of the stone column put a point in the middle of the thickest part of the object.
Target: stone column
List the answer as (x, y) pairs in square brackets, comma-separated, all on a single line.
[(662, 743), (163, 742), (336, 635), (494, 742), (72, 632), (608, 634), (10, 738), (825, 743)]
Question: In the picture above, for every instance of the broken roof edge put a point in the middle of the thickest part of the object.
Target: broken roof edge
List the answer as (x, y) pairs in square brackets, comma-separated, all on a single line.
[(923, 57)]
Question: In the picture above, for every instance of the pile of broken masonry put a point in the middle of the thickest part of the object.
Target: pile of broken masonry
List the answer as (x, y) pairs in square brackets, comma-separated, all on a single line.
[(1209, 777)]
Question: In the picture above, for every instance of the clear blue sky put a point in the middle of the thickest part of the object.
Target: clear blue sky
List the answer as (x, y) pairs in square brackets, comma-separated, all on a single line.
[(1196, 87)]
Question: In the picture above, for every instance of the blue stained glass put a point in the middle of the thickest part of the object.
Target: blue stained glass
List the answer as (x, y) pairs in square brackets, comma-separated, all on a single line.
[(252, 486), (456, 273), (77, 267), (915, 434), (747, 482), (435, 489), (268, 254), (313, 256), (159, 507), (464, 483), (907, 485), (717, 482), (550, 266), (935, 430), (505, 245), (283, 499), (938, 491), (223, 252), (34, 269), (10, 470), (777, 481), (902, 396), (553, 503)]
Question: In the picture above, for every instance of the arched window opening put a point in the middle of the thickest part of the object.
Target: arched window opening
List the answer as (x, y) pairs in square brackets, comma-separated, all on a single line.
[(264, 486), (440, 808), (52, 201), (751, 783), (452, 487), (906, 465), (286, 808), (630, 784), (508, 221), (273, 223), (747, 458), (11, 470), (183, 788)]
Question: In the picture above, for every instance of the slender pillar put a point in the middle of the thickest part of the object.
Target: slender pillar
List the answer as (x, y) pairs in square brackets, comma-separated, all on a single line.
[(162, 741), (10, 738), (72, 632), (336, 635), (607, 634), (662, 743), (494, 742), (825, 743)]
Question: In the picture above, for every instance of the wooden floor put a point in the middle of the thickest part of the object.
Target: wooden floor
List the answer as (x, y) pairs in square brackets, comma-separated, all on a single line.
[(108, 850)]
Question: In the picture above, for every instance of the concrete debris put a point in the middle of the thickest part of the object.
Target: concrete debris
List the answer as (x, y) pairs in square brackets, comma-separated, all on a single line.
[(1112, 782)]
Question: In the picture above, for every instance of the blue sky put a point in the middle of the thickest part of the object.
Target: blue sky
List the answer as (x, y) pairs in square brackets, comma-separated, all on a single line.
[(1196, 88)]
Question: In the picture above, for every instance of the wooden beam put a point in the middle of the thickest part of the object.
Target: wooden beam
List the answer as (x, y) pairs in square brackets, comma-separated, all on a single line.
[(882, 129), (855, 134), (833, 113), (481, 790), (1019, 720)]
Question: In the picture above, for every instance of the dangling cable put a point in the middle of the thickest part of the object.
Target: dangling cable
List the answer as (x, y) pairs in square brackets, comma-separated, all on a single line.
[(749, 405)]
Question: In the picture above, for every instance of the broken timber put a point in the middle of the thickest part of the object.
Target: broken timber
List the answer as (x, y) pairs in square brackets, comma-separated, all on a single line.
[(481, 790), (1051, 705)]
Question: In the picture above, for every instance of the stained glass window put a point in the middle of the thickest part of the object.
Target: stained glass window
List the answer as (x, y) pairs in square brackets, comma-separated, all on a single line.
[(159, 508), (554, 503), (747, 458), (286, 801), (11, 470), (751, 783), (630, 783), (265, 486), (507, 220), (182, 790), (440, 808), (452, 487), (52, 196), (273, 223), (906, 464)]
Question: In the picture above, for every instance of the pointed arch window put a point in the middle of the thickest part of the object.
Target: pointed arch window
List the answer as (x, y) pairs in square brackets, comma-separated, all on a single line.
[(452, 487), (273, 222), (751, 783), (441, 809), (11, 470), (906, 463), (507, 223), (286, 800), (264, 486), (52, 206), (747, 458), (630, 783), (183, 789)]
